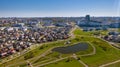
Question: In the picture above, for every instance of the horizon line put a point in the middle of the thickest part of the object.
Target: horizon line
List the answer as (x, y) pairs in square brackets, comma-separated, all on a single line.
[(50, 16)]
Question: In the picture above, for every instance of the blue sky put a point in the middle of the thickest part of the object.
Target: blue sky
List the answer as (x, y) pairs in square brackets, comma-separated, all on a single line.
[(60, 8)]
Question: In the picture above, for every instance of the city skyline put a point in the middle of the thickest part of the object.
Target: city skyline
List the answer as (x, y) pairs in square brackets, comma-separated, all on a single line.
[(59, 8)]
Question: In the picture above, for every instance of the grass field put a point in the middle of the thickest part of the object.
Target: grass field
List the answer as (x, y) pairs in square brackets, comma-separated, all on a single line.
[(104, 52), (114, 65), (65, 63), (90, 33)]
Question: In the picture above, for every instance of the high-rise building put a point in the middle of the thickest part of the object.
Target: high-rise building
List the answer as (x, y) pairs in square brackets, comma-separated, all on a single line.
[(87, 18)]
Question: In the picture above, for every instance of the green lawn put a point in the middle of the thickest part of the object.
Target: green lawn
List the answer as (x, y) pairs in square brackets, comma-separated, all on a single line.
[(114, 65), (118, 44), (65, 63), (80, 32), (90, 33), (56, 55), (119, 29), (104, 52)]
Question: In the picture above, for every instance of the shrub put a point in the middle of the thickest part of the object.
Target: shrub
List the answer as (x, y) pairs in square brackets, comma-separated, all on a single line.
[(77, 39), (104, 48), (29, 55), (41, 47)]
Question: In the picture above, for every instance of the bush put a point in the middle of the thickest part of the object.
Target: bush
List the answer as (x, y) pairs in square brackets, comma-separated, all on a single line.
[(104, 48), (78, 58), (77, 39), (29, 55), (41, 47), (67, 60), (23, 65), (82, 37)]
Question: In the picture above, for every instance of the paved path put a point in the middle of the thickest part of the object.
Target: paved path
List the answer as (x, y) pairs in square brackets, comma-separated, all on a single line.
[(94, 51), (72, 35), (43, 62), (52, 62), (112, 44), (42, 55), (28, 62), (33, 59), (104, 65), (45, 53), (75, 56), (20, 53)]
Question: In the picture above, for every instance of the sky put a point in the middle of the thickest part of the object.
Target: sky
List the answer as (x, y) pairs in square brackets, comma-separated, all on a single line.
[(59, 8)]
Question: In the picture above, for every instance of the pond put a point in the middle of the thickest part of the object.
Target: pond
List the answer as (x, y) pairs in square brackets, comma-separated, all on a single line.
[(71, 49)]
